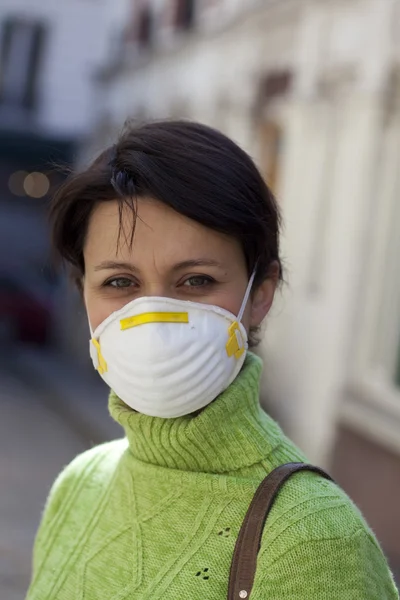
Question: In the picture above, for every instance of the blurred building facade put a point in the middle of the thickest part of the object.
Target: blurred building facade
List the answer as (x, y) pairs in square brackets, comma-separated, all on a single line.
[(48, 53), (311, 88)]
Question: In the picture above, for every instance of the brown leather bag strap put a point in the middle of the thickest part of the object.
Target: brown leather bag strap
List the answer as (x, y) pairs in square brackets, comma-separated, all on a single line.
[(244, 561)]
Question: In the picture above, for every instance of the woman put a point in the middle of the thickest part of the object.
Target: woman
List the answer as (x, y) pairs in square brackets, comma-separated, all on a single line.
[(175, 240)]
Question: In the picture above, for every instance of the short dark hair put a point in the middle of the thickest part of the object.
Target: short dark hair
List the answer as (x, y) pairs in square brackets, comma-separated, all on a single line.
[(194, 169)]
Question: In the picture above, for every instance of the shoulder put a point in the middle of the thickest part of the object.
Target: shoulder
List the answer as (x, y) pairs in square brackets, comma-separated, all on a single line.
[(310, 508), (74, 494), (316, 535), (103, 457), (87, 474)]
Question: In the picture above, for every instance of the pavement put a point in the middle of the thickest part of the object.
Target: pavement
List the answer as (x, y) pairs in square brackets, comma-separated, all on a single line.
[(51, 410), (35, 443)]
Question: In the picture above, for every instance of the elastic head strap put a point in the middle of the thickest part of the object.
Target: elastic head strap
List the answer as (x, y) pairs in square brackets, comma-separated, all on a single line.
[(247, 294)]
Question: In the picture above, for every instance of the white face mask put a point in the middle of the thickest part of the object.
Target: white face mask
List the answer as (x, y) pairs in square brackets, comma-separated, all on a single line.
[(168, 358)]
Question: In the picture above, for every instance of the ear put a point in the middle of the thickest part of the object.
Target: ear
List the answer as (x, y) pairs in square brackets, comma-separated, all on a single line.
[(263, 296)]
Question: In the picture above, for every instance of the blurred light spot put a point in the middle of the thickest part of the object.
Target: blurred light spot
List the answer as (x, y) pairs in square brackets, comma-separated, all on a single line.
[(16, 183), (36, 185)]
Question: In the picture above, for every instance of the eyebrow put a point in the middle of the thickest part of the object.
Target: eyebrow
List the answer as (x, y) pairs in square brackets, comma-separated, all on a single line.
[(111, 265), (186, 264), (199, 262)]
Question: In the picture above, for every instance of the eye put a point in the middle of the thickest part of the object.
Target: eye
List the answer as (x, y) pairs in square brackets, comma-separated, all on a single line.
[(120, 283), (198, 281)]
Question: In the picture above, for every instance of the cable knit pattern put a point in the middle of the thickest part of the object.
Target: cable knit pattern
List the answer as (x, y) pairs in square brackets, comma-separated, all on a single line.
[(156, 514)]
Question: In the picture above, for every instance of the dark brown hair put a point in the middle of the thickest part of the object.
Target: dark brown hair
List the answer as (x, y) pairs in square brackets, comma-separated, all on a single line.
[(192, 168)]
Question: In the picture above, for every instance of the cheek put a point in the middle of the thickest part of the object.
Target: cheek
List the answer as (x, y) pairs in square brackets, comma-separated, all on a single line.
[(231, 300), (96, 314), (98, 309)]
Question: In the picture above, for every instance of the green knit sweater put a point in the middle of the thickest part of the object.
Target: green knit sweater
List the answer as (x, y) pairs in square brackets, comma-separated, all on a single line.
[(156, 515)]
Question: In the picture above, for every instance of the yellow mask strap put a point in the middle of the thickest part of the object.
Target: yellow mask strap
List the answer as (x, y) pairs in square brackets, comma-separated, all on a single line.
[(102, 368), (236, 344)]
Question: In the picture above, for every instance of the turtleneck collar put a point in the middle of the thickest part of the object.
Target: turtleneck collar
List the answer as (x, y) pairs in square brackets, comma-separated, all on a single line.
[(231, 433)]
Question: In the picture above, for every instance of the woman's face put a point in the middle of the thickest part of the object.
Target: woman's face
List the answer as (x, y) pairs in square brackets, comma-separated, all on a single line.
[(171, 256)]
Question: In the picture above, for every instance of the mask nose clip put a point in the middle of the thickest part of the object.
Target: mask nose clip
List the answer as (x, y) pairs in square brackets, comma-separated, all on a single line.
[(236, 344)]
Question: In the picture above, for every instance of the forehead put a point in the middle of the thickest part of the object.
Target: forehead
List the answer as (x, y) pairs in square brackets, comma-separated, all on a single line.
[(161, 234)]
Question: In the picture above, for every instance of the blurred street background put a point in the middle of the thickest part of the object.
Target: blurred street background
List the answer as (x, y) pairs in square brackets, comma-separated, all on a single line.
[(311, 89)]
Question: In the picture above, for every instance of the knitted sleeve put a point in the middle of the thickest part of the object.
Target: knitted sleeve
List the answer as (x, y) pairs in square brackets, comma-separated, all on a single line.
[(345, 568)]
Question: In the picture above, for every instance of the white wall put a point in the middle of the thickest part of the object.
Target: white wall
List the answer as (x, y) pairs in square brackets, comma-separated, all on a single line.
[(334, 134)]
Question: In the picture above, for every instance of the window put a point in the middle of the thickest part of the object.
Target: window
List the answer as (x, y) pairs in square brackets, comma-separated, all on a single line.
[(275, 85), (185, 13), (145, 27), (273, 89), (271, 152), (21, 50)]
